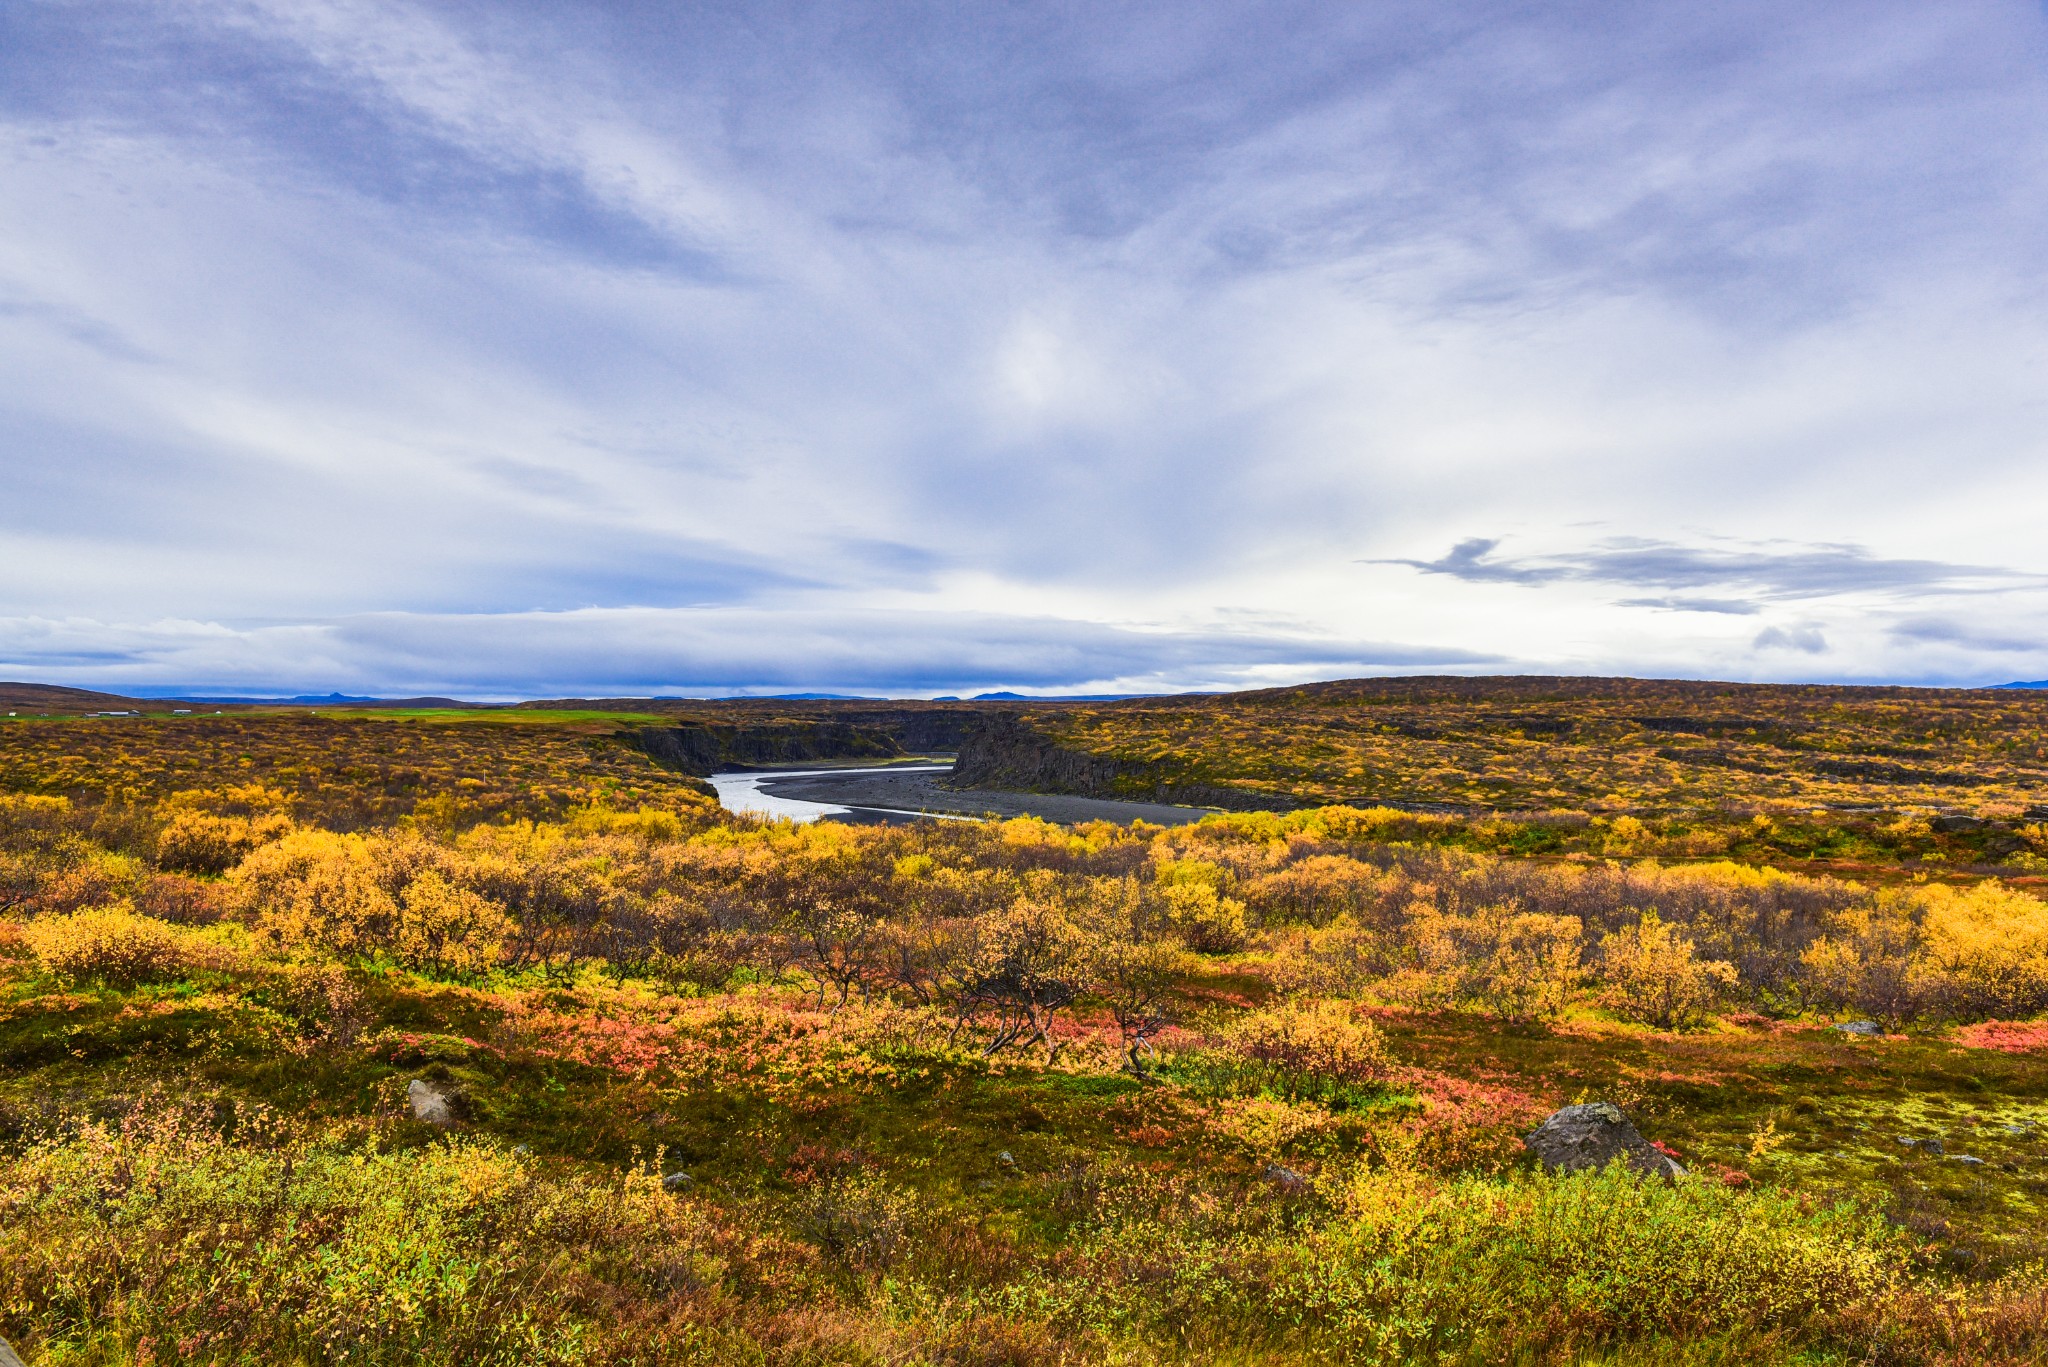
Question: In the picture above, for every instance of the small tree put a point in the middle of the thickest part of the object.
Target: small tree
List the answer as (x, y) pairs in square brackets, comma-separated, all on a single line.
[(1868, 961), (839, 947), (1652, 975), (1135, 967), (1533, 966), (1029, 966)]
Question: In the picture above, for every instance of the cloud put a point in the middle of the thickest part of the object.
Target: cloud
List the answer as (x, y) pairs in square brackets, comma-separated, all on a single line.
[(1941, 631), (826, 345), (1807, 639), (1790, 573), (1728, 607)]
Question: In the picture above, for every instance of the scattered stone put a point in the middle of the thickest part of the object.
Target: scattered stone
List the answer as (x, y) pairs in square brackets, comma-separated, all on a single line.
[(2021, 1130), (1592, 1135), (7, 1356), (1909, 1141), (1005, 1159), (1860, 1028), (1967, 1160), (1932, 1146), (678, 1181), (429, 1103), (521, 1151), (1286, 1179), (984, 1185), (1954, 825)]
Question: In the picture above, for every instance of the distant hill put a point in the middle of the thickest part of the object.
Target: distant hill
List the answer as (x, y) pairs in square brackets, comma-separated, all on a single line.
[(2038, 683), (32, 697), (53, 698), (1531, 743), (328, 700), (1055, 697)]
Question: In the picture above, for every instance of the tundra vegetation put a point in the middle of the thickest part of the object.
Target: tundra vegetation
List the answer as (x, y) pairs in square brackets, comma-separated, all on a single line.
[(715, 1090), (1613, 746)]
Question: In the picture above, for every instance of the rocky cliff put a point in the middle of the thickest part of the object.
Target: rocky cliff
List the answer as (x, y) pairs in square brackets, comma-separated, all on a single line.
[(706, 747), (697, 748)]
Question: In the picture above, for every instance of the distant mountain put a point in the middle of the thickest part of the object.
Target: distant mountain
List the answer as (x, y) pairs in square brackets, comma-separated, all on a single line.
[(797, 697), (328, 698), (2038, 683), (1053, 697)]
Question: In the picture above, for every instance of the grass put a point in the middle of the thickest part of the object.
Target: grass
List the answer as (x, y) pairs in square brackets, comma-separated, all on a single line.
[(1035, 1168)]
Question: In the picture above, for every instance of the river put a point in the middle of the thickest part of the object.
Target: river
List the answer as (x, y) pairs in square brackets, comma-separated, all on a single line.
[(743, 793), (907, 792)]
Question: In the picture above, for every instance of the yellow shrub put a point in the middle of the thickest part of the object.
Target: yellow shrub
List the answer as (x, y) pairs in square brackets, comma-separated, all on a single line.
[(1533, 966), (1515, 964), (1206, 922), (447, 928), (1316, 890), (1267, 1127), (1985, 950), (109, 944), (1652, 975), (316, 890), (1361, 824), (1626, 834), (1322, 1038), (198, 842), (1870, 961), (348, 895), (99, 877)]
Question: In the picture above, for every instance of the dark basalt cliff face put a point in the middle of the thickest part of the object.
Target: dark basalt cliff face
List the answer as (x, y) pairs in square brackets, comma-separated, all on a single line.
[(701, 747), (1004, 752)]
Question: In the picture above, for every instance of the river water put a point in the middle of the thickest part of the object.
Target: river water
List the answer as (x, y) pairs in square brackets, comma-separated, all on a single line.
[(742, 793)]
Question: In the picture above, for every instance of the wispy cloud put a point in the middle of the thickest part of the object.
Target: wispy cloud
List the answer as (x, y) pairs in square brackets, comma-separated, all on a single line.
[(1942, 631), (648, 650), (1724, 607), (1778, 572)]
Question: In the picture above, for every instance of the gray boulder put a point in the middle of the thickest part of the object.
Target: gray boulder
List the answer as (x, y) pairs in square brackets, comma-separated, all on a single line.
[(1860, 1028), (430, 1103), (678, 1181), (1593, 1135)]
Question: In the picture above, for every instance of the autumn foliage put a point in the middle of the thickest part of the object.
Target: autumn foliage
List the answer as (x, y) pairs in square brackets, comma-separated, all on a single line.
[(958, 1093)]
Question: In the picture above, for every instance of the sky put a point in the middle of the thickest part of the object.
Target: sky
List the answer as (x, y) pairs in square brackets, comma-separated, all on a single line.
[(553, 347)]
